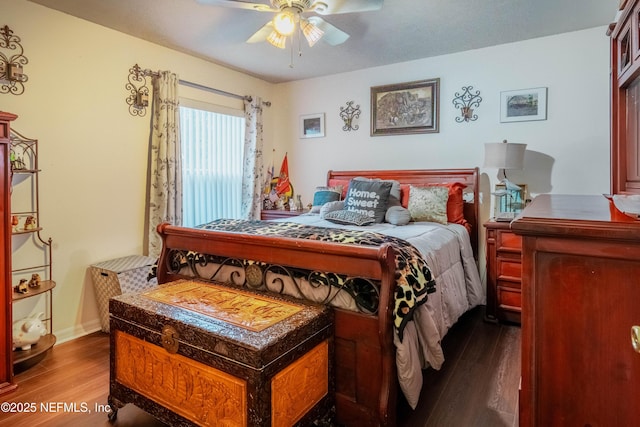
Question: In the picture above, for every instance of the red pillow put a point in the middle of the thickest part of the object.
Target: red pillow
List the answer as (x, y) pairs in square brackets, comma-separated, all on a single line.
[(455, 203)]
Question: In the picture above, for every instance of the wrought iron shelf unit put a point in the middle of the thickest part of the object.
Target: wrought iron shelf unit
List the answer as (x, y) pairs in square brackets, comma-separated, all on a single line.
[(26, 229)]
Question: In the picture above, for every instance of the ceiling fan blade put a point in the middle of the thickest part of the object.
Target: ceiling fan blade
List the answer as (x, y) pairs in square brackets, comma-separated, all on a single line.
[(346, 6), (239, 4), (262, 34), (332, 35)]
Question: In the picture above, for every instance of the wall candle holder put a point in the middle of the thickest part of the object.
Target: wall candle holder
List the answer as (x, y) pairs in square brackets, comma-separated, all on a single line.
[(12, 76), (138, 99), (348, 114), (465, 102)]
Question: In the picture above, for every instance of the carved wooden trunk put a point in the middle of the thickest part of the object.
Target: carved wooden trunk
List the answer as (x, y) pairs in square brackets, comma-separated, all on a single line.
[(196, 353)]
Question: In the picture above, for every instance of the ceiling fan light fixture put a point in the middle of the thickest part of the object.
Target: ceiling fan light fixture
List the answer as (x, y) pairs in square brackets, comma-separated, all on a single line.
[(311, 32), (278, 40), (285, 23)]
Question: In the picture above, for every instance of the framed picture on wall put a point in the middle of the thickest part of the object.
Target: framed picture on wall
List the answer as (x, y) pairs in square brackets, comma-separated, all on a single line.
[(523, 105), (405, 108), (312, 126)]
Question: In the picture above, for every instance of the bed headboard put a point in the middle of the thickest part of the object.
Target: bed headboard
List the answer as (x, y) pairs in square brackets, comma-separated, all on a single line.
[(469, 177)]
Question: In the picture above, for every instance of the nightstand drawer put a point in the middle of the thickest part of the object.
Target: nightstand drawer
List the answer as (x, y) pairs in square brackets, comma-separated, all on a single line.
[(509, 269), (509, 298), (508, 241)]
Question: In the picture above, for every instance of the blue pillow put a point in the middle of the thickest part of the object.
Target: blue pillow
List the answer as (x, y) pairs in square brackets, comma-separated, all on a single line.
[(320, 197), (324, 195)]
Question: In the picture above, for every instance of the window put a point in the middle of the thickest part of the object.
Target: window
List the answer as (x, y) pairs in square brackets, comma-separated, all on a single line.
[(212, 158)]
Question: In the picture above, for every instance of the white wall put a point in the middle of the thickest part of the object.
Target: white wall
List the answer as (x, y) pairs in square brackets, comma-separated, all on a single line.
[(567, 153), (93, 153)]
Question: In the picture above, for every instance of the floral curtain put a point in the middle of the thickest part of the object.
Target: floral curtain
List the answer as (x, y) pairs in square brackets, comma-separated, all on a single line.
[(253, 164), (164, 190)]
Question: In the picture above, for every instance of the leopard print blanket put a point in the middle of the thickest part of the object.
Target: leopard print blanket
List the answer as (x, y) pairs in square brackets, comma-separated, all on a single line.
[(413, 276)]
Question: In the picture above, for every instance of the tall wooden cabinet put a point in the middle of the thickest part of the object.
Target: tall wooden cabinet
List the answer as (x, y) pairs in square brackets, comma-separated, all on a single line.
[(6, 364), (625, 100), (581, 299)]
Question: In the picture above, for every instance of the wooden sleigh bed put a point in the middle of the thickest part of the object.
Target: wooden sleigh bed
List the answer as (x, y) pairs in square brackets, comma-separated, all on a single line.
[(366, 379)]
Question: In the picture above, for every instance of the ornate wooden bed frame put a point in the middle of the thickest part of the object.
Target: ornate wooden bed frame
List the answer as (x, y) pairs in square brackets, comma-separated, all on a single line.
[(365, 370)]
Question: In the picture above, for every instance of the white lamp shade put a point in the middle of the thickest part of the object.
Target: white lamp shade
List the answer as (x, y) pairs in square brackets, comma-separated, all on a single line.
[(504, 155)]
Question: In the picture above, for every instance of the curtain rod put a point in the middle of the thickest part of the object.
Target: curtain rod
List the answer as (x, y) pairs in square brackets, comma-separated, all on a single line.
[(219, 92)]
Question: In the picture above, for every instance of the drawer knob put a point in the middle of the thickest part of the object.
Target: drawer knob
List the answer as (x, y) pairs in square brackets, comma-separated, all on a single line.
[(170, 339), (635, 338)]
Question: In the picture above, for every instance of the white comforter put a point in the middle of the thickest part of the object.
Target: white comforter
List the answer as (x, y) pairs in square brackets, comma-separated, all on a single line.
[(447, 250)]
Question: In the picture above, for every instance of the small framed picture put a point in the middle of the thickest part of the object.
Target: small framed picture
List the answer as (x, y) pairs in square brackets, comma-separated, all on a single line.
[(312, 126), (523, 105)]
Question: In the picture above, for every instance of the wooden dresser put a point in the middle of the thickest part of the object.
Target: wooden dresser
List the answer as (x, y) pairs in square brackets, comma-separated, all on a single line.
[(504, 272), (581, 297)]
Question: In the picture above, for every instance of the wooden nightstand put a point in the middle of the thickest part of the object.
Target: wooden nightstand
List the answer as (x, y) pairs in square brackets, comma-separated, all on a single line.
[(280, 213), (504, 272)]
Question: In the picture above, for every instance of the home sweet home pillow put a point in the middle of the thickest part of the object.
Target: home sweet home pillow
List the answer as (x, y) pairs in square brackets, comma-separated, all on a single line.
[(368, 198)]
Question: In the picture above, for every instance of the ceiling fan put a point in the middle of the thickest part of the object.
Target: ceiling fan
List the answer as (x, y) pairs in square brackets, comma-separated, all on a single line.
[(292, 14)]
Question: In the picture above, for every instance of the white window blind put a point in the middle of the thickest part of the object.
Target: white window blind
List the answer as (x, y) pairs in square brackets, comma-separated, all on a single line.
[(212, 156)]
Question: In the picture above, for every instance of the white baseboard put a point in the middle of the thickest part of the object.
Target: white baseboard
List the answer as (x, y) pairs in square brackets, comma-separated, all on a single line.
[(78, 331)]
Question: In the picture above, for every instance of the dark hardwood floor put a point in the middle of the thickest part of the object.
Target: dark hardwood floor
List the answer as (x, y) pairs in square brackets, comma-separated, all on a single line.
[(477, 385)]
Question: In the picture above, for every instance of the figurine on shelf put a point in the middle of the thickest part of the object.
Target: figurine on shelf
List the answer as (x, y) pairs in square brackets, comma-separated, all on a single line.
[(28, 331), (16, 161), (30, 223), (21, 287), (14, 222), (35, 280)]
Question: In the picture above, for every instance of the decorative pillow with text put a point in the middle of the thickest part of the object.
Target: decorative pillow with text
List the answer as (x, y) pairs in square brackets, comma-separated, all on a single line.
[(368, 198)]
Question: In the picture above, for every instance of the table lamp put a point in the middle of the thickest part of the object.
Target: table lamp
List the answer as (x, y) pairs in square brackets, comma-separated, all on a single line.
[(503, 156)]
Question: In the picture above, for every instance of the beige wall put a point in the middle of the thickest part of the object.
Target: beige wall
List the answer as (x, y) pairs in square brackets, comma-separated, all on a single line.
[(93, 153), (567, 153)]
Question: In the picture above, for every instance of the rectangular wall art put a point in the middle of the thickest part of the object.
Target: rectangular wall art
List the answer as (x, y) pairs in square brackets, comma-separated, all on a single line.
[(312, 126), (523, 105), (405, 108)]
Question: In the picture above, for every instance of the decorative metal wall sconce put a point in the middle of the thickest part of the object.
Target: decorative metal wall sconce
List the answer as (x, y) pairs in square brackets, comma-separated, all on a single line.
[(12, 77), (465, 102), (138, 99), (348, 114)]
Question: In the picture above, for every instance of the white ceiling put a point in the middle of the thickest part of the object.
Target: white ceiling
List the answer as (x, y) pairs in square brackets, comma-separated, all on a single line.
[(402, 30)]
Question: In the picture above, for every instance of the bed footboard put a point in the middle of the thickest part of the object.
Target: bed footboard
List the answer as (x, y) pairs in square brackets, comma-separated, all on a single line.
[(366, 379)]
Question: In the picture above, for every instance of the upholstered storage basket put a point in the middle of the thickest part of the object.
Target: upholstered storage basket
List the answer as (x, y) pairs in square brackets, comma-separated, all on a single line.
[(120, 276)]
